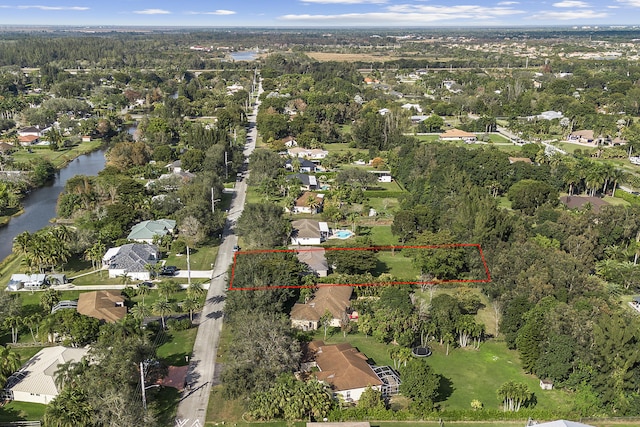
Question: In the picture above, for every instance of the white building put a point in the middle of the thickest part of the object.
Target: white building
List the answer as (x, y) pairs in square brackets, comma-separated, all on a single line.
[(309, 232), (35, 381)]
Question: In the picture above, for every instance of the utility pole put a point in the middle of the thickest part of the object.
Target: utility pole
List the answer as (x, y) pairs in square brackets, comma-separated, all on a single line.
[(226, 163), (213, 202), (144, 389)]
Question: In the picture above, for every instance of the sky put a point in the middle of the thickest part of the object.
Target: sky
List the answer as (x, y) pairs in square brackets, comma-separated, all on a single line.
[(320, 13)]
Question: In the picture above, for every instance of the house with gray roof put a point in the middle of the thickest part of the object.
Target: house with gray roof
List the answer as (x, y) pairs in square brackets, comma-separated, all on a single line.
[(307, 182), (146, 231), (305, 166), (131, 260)]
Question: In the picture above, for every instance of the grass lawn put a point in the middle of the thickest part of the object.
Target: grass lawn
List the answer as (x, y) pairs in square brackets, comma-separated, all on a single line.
[(384, 206), (477, 374), (201, 258), (166, 398), (221, 409), (381, 235), (58, 158), (177, 346), (473, 374), (397, 265), (26, 353), (341, 147), (571, 148), (616, 201), (22, 411)]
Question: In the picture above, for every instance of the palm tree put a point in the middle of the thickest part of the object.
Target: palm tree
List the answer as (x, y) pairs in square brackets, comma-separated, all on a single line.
[(313, 203), (33, 322), (68, 373), (140, 311), (70, 408), (153, 269), (14, 323), (9, 363), (404, 355), (162, 307), (191, 304), (95, 253), (448, 338), (195, 290), (125, 279), (617, 176), (166, 289), (49, 298), (55, 138), (142, 291)]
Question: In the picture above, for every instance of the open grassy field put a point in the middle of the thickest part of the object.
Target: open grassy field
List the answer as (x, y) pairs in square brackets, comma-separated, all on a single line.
[(352, 57), (21, 411), (398, 265), (471, 374), (58, 158)]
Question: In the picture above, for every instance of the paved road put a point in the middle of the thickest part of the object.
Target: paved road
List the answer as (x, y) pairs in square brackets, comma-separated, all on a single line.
[(192, 409)]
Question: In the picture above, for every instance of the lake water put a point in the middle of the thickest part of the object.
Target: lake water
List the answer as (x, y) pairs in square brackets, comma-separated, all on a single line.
[(248, 55), (40, 204)]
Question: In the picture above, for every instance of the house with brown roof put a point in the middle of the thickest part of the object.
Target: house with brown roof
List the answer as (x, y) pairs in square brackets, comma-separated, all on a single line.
[(579, 202), (26, 140), (107, 306), (345, 369), (582, 136), (458, 135), (332, 299), (309, 202)]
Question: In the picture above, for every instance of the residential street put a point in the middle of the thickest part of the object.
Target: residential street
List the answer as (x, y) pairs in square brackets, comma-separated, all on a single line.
[(202, 368)]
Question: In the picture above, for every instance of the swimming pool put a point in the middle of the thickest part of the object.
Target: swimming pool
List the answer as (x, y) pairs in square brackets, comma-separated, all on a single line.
[(343, 234)]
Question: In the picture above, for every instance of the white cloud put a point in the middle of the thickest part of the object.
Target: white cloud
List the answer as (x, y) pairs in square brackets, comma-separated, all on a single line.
[(412, 15), (39, 7), (215, 12), (152, 12), (569, 15), (345, 1), (570, 3), (633, 3)]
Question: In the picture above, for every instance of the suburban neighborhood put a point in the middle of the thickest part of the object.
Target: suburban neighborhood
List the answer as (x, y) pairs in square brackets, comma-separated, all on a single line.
[(347, 227)]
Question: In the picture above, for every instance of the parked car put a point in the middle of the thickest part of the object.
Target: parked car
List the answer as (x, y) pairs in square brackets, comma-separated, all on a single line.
[(168, 270), (236, 248), (145, 284)]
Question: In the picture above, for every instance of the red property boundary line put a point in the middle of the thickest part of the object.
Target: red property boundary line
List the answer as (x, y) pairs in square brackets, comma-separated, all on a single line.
[(372, 248)]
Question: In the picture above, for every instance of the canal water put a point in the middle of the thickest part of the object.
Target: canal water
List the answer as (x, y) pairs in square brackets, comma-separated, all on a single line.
[(40, 204), (248, 55)]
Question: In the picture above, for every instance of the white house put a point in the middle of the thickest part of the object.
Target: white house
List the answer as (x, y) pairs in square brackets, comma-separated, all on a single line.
[(309, 232), (383, 176), (35, 381), (307, 153), (416, 107), (131, 260), (26, 281)]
